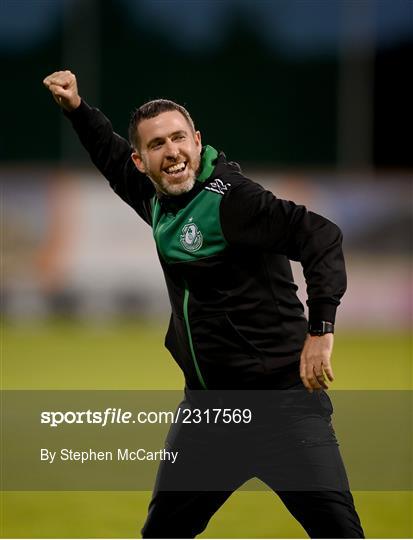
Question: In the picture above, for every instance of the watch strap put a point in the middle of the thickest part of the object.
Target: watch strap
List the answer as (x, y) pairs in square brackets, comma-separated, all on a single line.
[(319, 328)]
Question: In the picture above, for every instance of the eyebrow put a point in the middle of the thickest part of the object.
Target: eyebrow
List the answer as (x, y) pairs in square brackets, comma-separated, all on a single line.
[(157, 139)]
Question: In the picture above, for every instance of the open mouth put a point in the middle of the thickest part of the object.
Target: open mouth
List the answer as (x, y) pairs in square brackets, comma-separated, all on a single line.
[(176, 170)]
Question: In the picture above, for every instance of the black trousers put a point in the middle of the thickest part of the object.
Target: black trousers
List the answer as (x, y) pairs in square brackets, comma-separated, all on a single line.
[(290, 445)]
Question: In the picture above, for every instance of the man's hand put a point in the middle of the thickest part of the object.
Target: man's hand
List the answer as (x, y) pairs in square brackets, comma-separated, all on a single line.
[(63, 86), (315, 364)]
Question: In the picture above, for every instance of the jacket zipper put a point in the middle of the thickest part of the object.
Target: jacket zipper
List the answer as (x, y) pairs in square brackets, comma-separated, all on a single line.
[(188, 331)]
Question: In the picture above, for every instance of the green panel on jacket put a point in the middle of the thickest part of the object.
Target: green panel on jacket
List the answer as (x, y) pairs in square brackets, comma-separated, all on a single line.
[(193, 233)]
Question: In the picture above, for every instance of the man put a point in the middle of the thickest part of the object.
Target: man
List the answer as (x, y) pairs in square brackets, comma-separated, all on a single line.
[(224, 244)]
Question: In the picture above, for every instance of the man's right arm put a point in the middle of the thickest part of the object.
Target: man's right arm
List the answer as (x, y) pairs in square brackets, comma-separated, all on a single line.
[(108, 151)]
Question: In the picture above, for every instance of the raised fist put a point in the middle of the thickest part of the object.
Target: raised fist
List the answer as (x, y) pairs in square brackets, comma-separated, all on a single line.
[(63, 86)]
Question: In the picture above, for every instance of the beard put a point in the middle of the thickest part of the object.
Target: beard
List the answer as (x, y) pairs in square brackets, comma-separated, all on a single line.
[(167, 188)]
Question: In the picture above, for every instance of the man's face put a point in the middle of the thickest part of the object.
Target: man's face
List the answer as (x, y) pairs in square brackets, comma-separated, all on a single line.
[(169, 152)]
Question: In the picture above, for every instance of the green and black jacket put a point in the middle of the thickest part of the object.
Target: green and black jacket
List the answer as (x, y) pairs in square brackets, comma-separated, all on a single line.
[(224, 248)]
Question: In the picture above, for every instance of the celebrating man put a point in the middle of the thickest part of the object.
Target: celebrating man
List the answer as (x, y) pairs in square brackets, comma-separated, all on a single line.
[(224, 244)]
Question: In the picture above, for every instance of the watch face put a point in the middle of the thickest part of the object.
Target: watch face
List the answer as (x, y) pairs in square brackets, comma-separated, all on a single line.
[(316, 333), (319, 329)]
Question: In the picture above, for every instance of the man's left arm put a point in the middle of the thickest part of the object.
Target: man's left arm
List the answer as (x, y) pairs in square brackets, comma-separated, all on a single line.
[(254, 218)]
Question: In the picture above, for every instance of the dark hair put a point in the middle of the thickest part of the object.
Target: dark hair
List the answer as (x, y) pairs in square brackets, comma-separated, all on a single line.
[(150, 110)]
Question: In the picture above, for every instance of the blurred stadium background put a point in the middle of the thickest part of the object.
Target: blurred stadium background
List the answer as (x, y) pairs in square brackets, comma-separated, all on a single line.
[(312, 97)]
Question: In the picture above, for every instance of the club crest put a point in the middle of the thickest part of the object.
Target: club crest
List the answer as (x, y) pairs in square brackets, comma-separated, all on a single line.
[(191, 237)]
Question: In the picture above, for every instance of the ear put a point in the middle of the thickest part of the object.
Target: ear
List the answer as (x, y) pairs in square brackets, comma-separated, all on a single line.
[(198, 141), (136, 158)]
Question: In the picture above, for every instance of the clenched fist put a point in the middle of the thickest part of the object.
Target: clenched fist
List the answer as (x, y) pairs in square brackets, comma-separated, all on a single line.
[(63, 86)]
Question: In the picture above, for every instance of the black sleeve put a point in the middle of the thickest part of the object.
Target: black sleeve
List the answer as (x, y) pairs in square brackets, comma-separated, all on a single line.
[(112, 156), (254, 218)]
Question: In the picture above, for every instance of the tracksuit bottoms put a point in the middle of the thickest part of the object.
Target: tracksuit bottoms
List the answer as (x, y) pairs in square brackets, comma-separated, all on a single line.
[(289, 445)]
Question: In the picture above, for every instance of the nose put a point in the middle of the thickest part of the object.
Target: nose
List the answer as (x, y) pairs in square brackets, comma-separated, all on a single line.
[(172, 150)]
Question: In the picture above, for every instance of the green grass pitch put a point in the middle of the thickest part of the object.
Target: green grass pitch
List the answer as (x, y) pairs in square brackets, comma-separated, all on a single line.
[(130, 355)]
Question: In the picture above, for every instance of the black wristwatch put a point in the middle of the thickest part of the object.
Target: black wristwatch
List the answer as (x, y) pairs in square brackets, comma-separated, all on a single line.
[(320, 328)]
